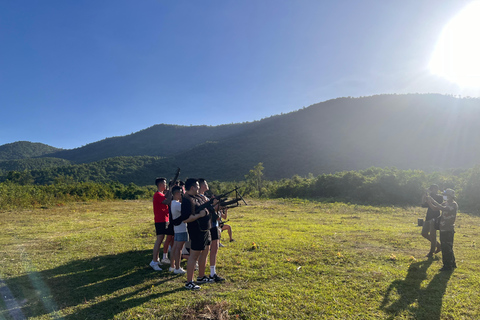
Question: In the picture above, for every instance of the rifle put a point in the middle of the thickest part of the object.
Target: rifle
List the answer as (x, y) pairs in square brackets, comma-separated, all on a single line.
[(175, 178)]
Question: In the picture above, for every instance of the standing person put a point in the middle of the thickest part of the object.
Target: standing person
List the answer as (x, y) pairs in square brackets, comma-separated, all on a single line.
[(199, 236), (215, 234), (428, 230), (161, 217), (447, 227), (181, 235)]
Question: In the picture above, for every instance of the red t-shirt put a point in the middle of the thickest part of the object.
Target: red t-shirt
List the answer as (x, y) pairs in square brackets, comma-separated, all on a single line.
[(160, 210)]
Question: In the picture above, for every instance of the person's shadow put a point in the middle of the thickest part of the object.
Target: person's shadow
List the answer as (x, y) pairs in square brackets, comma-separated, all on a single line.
[(94, 288), (429, 299)]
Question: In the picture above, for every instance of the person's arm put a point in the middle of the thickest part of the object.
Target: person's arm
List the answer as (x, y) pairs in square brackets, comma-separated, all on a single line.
[(168, 197), (196, 216), (434, 204)]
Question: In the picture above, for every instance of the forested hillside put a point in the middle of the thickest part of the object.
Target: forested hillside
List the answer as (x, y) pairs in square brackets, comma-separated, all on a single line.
[(158, 141), (428, 132), (24, 149)]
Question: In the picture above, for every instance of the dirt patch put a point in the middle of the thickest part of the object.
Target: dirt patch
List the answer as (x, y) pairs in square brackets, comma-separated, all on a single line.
[(205, 310)]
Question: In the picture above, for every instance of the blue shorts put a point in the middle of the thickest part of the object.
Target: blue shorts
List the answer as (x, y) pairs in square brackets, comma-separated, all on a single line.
[(182, 236)]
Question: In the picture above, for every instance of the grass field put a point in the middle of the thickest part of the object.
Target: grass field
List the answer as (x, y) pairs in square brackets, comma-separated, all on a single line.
[(292, 259)]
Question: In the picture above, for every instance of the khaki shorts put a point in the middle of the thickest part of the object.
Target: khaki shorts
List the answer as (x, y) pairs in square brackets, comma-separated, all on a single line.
[(428, 226)]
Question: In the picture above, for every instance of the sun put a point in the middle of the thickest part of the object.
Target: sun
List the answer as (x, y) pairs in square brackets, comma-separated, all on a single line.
[(457, 54)]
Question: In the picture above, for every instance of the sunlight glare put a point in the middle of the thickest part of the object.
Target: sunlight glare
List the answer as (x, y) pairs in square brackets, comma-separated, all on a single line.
[(457, 54)]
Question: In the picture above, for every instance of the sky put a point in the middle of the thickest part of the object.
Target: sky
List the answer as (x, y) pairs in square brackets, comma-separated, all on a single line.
[(76, 72)]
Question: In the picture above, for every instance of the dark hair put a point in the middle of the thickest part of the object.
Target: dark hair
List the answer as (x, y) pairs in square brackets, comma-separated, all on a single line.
[(158, 180), (201, 181), (190, 183), (176, 189), (181, 183)]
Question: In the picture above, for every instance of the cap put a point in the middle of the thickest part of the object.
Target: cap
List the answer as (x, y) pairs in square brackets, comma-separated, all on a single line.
[(449, 192)]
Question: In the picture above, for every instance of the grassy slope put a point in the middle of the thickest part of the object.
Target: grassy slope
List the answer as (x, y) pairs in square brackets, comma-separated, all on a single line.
[(291, 259)]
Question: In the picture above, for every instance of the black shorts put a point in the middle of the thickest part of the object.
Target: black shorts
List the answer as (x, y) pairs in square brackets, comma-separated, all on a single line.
[(169, 230), (161, 228), (215, 233), (199, 239)]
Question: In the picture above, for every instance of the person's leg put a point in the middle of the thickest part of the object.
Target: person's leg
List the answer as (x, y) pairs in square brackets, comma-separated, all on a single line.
[(446, 239), (229, 230), (173, 256), (202, 261), (156, 247), (213, 256), (192, 261), (427, 234), (167, 243), (178, 253)]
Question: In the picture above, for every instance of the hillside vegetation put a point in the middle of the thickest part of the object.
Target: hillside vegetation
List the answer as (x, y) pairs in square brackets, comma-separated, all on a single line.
[(427, 132), (24, 149)]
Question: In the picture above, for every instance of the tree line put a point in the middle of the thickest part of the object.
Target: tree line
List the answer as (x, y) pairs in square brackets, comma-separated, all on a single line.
[(373, 186)]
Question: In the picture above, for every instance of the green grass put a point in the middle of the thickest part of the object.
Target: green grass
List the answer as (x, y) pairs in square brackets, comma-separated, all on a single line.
[(292, 259)]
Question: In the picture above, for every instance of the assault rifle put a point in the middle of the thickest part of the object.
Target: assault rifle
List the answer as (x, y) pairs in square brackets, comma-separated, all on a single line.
[(175, 178)]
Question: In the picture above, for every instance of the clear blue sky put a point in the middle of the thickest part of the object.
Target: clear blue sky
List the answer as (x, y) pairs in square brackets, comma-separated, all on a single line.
[(75, 72)]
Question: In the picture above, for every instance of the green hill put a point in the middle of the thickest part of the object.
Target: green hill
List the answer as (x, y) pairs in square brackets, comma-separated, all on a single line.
[(24, 149), (414, 131)]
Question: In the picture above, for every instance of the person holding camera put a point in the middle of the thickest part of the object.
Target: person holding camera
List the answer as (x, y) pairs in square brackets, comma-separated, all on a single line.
[(428, 230), (449, 210)]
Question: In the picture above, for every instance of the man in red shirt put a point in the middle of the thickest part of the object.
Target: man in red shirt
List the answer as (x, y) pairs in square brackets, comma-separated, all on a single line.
[(161, 201)]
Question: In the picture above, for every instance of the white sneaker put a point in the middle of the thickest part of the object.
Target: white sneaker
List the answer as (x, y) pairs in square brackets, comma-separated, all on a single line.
[(221, 245), (179, 271), (155, 266), (171, 269), (165, 261)]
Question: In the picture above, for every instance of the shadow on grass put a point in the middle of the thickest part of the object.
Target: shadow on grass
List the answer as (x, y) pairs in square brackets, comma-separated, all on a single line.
[(423, 303), (97, 288)]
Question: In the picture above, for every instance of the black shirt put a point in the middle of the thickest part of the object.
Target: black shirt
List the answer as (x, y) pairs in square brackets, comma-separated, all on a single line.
[(431, 213)]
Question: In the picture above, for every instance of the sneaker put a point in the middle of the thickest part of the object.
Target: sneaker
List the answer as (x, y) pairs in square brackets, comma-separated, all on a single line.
[(165, 261), (216, 278), (192, 286), (221, 245), (204, 279), (231, 240), (171, 269), (179, 271), (155, 266)]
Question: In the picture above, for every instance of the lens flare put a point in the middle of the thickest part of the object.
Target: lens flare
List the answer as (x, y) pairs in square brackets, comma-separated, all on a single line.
[(457, 54)]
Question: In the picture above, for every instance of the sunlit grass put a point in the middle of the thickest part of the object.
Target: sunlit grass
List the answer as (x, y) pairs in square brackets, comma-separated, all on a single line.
[(292, 259)]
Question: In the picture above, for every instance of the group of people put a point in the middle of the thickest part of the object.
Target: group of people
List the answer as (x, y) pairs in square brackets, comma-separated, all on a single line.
[(184, 214), (441, 215)]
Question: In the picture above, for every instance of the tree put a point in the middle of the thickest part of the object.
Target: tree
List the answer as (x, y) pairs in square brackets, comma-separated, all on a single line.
[(255, 178)]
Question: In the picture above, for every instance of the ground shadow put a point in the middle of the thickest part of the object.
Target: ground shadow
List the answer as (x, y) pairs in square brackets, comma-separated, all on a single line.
[(429, 299), (83, 281)]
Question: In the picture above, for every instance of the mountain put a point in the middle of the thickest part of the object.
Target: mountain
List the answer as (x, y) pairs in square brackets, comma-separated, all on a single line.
[(413, 131), (157, 141), (427, 132), (24, 150)]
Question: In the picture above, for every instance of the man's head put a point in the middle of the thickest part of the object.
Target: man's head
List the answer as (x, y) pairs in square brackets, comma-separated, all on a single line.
[(203, 185), (450, 194), (161, 184), (191, 186), (433, 188), (177, 193)]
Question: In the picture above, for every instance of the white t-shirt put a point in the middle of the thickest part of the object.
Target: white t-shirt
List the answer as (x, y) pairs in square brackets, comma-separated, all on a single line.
[(176, 207)]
